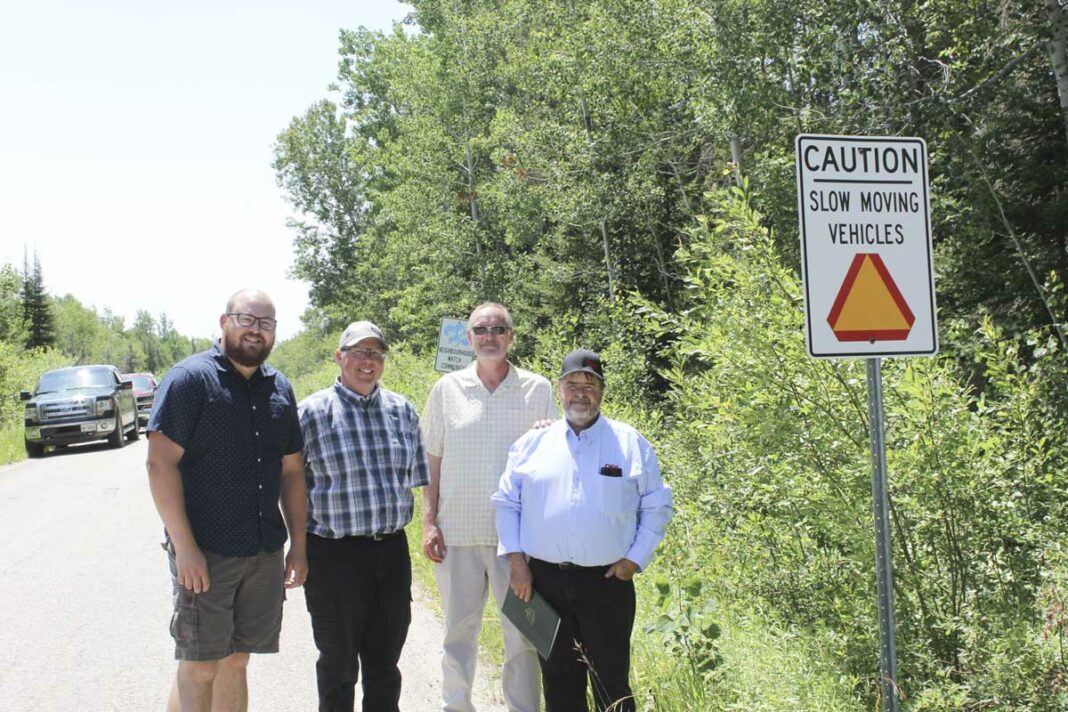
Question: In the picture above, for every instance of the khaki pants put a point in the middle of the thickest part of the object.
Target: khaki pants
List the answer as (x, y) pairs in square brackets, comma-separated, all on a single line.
[(464, 580)]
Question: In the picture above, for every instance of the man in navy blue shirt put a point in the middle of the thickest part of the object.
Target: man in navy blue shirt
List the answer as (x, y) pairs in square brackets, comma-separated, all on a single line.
[(224, 448)]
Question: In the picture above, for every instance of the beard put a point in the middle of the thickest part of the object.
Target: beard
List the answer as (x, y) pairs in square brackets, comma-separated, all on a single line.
[(583, 417), (246, 354)]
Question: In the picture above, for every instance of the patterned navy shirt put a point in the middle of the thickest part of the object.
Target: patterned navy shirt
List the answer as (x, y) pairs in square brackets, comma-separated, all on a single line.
[(363, 455), (234, 432)]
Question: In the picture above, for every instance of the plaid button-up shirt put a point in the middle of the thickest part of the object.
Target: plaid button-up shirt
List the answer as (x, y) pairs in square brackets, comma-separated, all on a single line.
[(362, 458)]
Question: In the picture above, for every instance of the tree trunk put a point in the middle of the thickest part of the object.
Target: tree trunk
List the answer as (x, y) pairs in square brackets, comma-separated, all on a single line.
[(1058, 55), (736, 158), (608, 264)]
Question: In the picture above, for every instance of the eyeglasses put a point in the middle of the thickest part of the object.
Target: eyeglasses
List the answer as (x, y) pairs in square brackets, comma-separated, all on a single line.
[(495, 330), (365, 354), (265, 323)]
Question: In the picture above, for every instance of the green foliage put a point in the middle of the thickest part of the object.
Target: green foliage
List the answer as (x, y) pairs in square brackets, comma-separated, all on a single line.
[(19, 371), (148, 345), (12, 327), (37, 317), (556, 157), (769, 455)]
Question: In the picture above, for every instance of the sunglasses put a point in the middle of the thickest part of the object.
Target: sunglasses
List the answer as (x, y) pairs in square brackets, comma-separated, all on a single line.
[(495, 330)]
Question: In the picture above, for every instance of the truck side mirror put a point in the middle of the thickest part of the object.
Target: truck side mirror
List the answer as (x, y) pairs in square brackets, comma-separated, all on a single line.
[(25, 395), (125, 385)]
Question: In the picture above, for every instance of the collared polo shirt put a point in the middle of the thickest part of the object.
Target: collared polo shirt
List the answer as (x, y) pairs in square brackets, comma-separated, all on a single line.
[(363, 455), (234, 432), (471, 429), (589, 499)]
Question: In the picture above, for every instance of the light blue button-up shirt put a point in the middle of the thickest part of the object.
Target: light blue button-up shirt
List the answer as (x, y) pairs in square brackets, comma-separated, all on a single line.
[(554, 503)]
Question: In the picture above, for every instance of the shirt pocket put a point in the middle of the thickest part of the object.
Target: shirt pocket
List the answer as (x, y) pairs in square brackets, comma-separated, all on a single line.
[(400, 445), (614, 493)]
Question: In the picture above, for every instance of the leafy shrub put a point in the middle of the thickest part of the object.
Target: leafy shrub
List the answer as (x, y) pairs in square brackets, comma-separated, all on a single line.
[(768, 455)]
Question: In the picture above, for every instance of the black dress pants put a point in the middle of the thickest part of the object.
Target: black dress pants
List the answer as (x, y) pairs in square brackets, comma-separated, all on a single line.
[(596, 618), (359, 595)]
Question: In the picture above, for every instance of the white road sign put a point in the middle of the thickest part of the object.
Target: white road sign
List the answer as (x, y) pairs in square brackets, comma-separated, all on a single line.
[(454, 350), (866, 258)]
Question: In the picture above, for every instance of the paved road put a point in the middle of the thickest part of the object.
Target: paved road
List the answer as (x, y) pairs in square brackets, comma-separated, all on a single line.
[(84, 599)]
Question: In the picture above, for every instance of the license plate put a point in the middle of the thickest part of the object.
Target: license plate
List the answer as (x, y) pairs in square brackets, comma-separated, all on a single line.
[(88, 427)]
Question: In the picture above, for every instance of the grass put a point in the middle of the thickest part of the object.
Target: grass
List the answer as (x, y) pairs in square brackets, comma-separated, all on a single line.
[(12, 443), (765, 667)]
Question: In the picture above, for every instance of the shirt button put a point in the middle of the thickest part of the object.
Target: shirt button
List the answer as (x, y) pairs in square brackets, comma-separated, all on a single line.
[(259, 459), (261, 486), (253, 407), (257, 433)]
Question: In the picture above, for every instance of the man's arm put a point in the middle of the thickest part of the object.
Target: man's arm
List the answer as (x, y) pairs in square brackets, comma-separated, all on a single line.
[(165, 482), (508, 502), (294, 499), (433, 539), (654, 509)]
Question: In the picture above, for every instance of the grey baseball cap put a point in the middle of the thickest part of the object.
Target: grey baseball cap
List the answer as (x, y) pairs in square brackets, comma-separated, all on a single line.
[(357, 331)]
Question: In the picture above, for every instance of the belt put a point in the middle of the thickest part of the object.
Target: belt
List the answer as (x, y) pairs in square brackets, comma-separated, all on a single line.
[(362, 537), (566, 565), (377, 537)]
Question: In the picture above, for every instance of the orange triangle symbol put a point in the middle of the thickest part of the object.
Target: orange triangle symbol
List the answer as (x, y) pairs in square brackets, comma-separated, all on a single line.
[(869, 306)]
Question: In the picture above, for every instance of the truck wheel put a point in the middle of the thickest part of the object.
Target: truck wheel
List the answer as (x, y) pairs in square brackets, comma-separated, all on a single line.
[(117, 438), (135, 431), (34, 449)]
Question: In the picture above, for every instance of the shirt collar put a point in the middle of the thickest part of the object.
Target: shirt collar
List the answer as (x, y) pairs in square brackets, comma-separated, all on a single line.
[(469, 376), (355, 398), (591, 432), (223, 363)]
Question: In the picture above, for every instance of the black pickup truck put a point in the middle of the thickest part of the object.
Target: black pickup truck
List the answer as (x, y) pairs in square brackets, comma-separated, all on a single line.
[(79, 404)]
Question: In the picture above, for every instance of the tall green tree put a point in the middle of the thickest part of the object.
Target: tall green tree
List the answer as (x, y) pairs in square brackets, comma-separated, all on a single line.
[(36, 308)]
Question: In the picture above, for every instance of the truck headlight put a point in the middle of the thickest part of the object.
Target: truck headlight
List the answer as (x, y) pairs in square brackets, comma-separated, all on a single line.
[(103, 405), (31, 412)]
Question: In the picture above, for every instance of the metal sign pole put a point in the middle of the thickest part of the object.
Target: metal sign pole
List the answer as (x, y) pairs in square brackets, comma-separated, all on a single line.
[(884, 572)]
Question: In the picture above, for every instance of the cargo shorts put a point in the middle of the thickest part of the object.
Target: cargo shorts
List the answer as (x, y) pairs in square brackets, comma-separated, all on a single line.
[(241, 612)]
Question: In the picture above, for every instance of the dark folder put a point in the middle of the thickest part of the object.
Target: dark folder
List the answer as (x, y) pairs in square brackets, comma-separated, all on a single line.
[(536, 620)]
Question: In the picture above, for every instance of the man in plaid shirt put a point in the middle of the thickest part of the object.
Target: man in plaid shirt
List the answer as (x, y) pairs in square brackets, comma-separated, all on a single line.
[(363, 455)]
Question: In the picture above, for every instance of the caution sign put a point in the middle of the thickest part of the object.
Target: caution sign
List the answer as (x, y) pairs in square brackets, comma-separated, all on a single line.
[(866, 257)]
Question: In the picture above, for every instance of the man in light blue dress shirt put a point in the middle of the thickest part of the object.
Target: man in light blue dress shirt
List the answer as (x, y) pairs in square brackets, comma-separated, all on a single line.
[(580, 509)]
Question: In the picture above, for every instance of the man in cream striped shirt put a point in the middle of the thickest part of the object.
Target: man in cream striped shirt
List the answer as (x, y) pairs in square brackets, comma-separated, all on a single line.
[(471, 419)]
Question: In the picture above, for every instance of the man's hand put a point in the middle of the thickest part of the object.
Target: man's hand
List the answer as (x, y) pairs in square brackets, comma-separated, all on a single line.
[(296, 567), (539, 424), (520, 577), (433, 543), (623, 570), (192, 569)]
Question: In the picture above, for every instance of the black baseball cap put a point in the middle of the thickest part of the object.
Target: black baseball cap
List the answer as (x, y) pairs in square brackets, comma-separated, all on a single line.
[(582, 360)]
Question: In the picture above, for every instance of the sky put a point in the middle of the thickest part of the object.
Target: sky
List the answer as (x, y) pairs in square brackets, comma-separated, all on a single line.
[(136, 141)]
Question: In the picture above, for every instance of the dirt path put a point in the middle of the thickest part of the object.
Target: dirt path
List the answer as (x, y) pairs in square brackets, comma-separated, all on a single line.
[(86, 601), (287, 681)]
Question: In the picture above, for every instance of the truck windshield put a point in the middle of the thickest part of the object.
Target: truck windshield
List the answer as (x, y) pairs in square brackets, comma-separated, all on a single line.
[(74, 379), (143, 383)]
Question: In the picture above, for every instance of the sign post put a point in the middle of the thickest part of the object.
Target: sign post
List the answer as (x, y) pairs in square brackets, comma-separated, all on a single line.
[(867, 269)]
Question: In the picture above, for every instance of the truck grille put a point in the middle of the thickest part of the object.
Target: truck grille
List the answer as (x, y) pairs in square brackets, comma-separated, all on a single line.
[(60, 411)]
